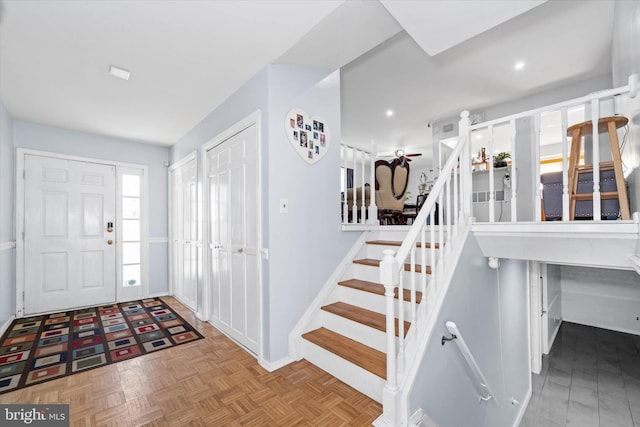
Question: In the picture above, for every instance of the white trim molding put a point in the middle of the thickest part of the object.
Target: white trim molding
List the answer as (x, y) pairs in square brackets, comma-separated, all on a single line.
[(6, 324), (5, 246), (158, 240)]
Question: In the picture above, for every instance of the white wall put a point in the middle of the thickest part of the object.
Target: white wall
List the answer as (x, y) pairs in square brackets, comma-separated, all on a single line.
[(626, 61), (603, 298), (7, 223), (306, 244), (490, 310), (56, 140)]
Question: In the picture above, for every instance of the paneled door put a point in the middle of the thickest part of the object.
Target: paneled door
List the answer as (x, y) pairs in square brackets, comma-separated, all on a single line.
[(184, 228), (69, 252), (232, 171)]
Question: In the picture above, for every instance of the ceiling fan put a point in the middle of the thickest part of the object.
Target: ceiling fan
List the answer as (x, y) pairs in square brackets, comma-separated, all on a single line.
[(399, 153)]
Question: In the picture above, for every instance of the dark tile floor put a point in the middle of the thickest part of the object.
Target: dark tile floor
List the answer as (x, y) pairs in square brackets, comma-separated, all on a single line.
[(591, 377)]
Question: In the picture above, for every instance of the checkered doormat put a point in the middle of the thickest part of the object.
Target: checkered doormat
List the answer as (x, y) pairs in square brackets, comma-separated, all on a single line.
[(42, 348)]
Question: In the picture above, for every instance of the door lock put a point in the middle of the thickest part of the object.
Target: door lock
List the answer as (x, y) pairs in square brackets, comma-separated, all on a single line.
[(110, 227)]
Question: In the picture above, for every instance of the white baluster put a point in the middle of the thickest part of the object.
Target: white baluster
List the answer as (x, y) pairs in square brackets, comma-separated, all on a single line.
[(354, 206), (514, 172), (536, 169), (373, 208), (595, 116), (492, 187), (345, 207), (565, 170)]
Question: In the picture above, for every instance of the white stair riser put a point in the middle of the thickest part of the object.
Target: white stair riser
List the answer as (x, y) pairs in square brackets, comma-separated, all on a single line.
[(358, 378), (399, 235), (377, 252), (372, 274), (367, 300), (356, 331)]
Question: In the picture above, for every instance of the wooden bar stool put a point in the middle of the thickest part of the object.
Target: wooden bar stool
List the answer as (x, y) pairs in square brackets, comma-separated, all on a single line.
[(577, 131)]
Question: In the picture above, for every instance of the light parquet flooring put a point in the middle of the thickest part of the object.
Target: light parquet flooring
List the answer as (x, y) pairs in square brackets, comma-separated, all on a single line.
[(209, 382)]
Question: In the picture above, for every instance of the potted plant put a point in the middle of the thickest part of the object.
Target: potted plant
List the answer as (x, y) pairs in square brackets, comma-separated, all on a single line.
[(500, 159)]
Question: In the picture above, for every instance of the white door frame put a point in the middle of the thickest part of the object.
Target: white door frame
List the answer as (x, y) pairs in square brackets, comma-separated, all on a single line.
[(535, 319), (20, 210), (193, 156), (252, 119)]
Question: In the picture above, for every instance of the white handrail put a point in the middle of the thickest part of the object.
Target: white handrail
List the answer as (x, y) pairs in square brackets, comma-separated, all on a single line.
[(450, 215), (480, 381)]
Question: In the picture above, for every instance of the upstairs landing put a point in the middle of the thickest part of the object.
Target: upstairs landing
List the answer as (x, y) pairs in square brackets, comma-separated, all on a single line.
[(607, 244)]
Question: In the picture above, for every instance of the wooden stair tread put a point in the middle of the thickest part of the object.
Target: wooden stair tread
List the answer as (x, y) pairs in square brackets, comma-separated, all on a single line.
[(376, 263), (377, 288), (398, 243), (363, 316), (609, 195), (357, 353)]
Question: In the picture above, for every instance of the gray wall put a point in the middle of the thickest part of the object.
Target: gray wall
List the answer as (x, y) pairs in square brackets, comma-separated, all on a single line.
[(7, 229), (55, 140), (306, 244), (490, 308)]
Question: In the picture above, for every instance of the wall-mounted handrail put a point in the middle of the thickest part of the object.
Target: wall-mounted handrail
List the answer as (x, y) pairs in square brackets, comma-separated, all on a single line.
[(479, 380)]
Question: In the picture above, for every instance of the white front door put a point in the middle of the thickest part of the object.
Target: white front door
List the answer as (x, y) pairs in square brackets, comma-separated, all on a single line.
[(69, 254), (232, 172), (184, 221)]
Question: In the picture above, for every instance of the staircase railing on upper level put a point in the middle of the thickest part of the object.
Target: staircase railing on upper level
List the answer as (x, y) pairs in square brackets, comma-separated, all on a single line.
[(537, 143), (357, 174), (448, 205)]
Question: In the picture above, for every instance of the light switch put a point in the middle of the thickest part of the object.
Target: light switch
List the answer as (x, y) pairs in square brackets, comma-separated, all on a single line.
[(284, 205)]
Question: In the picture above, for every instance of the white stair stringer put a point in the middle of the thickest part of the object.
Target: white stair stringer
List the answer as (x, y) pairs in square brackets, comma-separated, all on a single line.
[(347, 372)]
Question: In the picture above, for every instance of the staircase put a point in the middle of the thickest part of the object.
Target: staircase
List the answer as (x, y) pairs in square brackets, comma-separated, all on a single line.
[(347, 335)]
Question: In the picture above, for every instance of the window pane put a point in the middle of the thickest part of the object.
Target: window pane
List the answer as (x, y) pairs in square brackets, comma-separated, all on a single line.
[(130, 207), (131, 230), (131, 185), (131, 275), (131, 253)]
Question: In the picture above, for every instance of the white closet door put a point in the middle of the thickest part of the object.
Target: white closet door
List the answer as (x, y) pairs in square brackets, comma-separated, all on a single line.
[(185, 238), (233, 185), (70, 257)]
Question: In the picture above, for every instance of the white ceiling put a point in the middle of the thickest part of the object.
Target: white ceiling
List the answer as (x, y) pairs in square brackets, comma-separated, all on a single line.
[(474, 74), (187, 56)]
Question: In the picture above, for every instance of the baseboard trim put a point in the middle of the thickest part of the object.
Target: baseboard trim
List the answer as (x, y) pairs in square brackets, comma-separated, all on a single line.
[(159, 294), (6, 324), (274, 366), (523, 408)]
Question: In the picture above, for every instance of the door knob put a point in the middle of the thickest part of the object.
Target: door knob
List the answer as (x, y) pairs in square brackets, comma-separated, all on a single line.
[(240, 250), (109, 242)]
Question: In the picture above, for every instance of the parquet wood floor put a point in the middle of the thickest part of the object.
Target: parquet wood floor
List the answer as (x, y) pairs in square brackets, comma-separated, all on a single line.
[(209, 382)]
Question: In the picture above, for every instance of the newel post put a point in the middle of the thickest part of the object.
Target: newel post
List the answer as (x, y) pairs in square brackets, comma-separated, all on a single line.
[(390, 277)]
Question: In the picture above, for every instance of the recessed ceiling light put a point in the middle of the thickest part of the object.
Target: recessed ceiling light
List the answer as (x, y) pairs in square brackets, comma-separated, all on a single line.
[(518, 65), (389, 113), (120, 73)]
